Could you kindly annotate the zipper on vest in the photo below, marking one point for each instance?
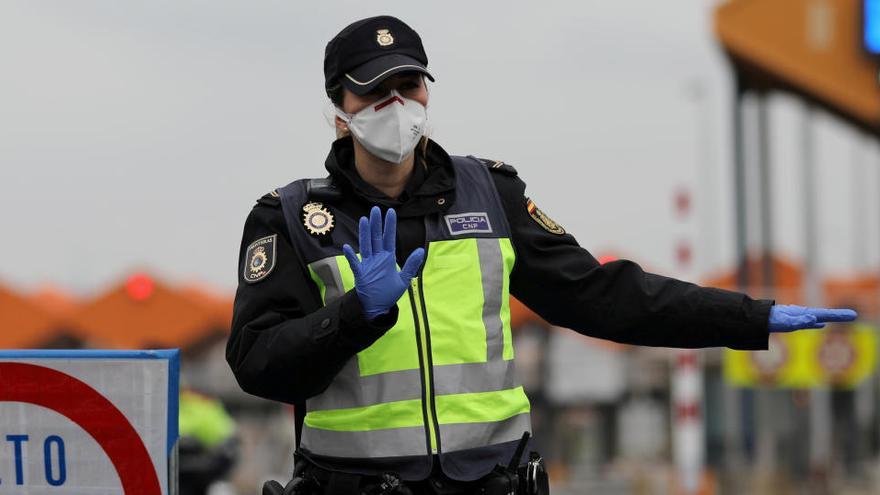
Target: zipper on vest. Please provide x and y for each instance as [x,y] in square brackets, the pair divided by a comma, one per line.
[423,342]
[430,354]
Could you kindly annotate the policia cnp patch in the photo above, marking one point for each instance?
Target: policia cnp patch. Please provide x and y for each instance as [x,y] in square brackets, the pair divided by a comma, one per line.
[542,219]
[259,259]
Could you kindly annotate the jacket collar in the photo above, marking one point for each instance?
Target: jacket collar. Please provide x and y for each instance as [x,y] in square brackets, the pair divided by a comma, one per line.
[430,188]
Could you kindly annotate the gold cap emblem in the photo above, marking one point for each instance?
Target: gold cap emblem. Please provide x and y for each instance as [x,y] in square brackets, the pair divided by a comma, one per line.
[384,38]
[317,219]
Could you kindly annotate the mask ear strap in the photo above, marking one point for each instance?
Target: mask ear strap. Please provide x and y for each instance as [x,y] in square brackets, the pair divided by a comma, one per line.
[342,115]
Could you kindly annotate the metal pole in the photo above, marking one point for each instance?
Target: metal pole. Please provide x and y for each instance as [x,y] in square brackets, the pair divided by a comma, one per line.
[739,164]
[765,426]
[820,398]
[874,159]
[809,195]
[733,434]
[860,204]
[688,428]
[766,188]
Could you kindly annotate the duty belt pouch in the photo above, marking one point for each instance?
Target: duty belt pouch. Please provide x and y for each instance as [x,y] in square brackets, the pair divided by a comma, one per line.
[303,482]
[505,480]
[500,482]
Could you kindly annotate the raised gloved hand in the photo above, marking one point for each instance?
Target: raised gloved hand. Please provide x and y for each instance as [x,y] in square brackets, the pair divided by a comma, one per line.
[788,318]
[377,281]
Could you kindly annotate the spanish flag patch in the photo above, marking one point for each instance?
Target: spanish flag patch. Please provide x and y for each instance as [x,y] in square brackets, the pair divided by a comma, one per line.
[542,219]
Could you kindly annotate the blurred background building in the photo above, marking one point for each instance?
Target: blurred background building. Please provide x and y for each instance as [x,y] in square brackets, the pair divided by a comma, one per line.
[604,413]
[732,143]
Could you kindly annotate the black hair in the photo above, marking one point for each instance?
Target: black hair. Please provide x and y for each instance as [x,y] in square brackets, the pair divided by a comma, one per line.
[335,93]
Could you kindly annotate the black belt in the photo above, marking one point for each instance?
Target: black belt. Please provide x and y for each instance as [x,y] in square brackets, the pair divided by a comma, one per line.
[334,482]
[528,480]
[309,479]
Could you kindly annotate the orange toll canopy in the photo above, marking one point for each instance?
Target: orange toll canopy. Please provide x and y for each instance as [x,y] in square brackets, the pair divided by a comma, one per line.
[24,324]
[143,312]
[810,47]
[860,291]
[786,274]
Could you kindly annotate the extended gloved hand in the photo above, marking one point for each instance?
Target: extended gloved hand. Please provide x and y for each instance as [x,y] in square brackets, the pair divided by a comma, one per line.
[377,281]
[788,318]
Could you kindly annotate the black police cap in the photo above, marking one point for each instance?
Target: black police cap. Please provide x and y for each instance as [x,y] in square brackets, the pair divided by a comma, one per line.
[369,51]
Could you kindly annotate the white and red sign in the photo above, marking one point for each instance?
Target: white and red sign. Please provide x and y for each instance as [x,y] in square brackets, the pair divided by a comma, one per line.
[87,422]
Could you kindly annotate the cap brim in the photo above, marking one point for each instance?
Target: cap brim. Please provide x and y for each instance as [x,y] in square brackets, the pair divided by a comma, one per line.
[365,77]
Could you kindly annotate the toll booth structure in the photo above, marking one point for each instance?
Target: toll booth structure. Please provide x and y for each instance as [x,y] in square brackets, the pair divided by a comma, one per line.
[825,53]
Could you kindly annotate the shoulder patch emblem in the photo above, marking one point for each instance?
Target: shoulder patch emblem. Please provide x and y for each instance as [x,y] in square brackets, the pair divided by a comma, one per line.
[542,219]
[317,219]
[260,259]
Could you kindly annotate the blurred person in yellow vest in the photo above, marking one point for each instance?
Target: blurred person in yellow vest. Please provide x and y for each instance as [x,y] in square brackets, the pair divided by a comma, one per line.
[208,446]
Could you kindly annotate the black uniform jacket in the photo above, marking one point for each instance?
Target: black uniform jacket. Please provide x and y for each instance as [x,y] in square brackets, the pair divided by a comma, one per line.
[287,347]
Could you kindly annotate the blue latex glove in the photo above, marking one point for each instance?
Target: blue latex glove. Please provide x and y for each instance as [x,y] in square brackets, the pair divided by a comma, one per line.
[788,318]
[376,280]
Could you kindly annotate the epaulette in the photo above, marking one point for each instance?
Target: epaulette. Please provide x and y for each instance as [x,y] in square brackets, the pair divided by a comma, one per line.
[271,198]
[323,191]
[498,166]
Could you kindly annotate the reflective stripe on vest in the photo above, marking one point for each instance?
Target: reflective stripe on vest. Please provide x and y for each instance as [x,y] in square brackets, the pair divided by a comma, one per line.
[459,308]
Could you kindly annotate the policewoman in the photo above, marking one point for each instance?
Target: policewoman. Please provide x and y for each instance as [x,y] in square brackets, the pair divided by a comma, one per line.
[376,299]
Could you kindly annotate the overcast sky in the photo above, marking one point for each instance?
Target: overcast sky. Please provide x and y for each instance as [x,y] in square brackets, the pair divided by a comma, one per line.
[138,134]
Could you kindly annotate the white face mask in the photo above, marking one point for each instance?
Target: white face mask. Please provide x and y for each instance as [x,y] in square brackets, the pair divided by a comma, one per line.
[389,128]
